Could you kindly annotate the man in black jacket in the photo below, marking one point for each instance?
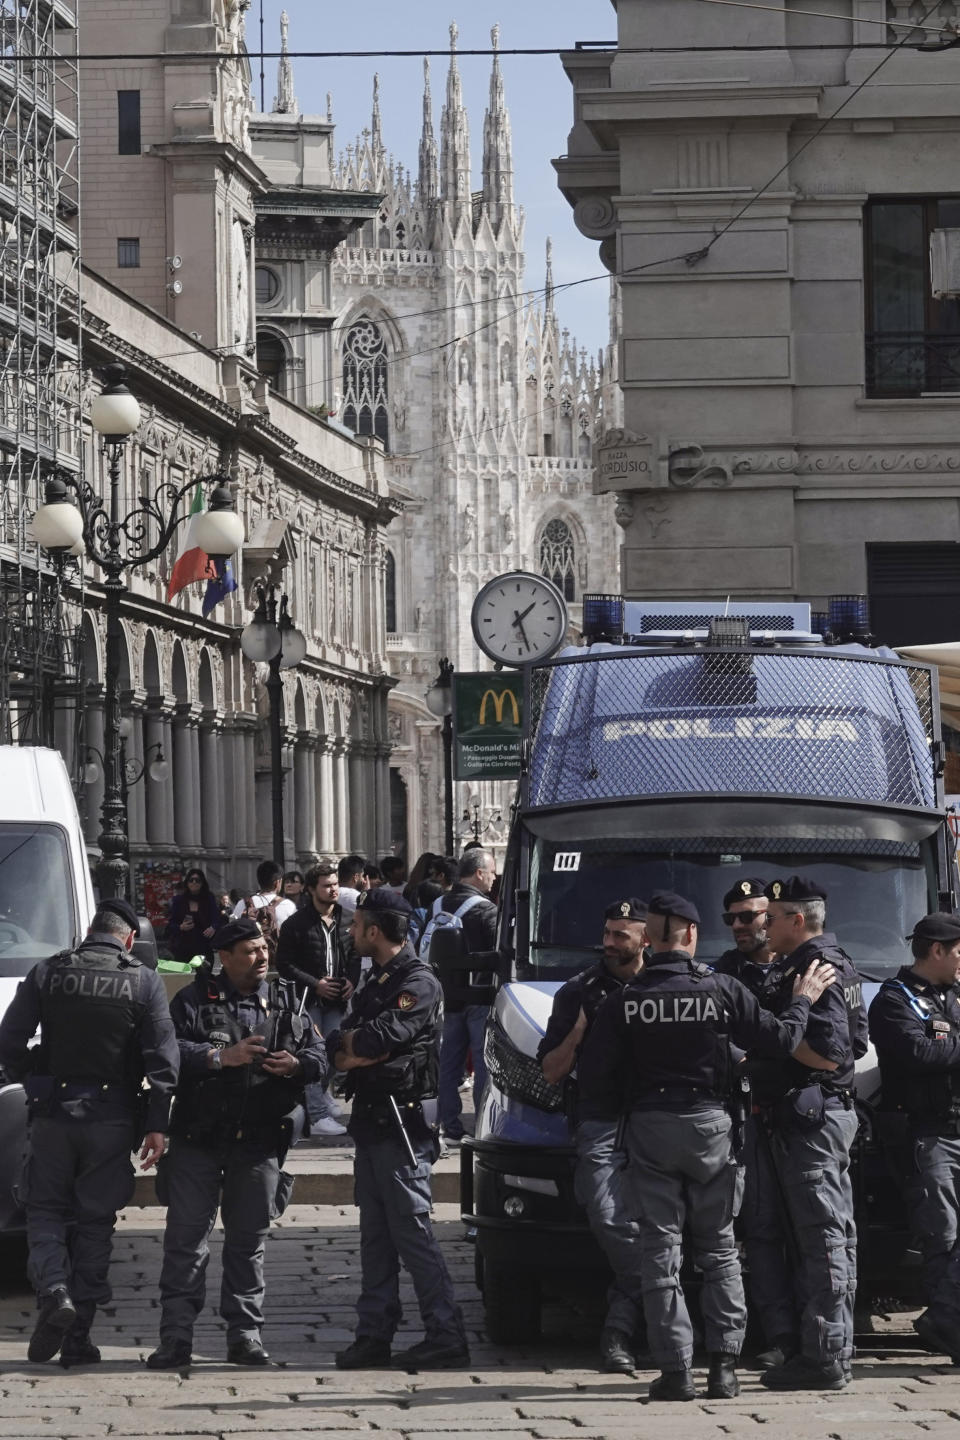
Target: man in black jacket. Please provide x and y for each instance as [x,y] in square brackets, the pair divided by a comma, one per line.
[315,952]
[464,1025]
[104,1026]
[245,1057]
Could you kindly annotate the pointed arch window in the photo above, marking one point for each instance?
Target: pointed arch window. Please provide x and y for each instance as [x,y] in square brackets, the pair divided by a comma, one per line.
[272,359]
[365,381]
[558,557]
[390,593]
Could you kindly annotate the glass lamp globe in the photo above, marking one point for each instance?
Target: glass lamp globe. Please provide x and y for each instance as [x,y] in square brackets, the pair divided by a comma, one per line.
[158,769]
[260,640]
[293,647]
[58,526]
[219,530]
[91,771]
[115,412]
[439,700]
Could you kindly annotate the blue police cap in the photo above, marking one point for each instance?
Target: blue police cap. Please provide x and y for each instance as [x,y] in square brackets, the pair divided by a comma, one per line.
[117,906]
[234,931]
[629,909]
[667,903]
[749,889]
[384,898]
[938,926]
[794,888]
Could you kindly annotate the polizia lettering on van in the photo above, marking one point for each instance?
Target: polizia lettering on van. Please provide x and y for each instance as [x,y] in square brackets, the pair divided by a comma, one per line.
[741,727]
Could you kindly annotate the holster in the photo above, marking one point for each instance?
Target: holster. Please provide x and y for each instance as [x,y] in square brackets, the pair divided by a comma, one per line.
[802,1108]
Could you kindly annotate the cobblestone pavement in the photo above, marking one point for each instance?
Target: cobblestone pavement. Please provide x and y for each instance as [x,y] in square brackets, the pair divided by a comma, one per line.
[548,1391]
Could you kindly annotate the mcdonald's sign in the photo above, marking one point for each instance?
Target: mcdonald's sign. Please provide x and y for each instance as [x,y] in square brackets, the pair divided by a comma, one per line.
[487,725]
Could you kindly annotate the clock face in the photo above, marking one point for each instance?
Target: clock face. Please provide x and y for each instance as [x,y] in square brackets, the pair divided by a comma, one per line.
[519,618]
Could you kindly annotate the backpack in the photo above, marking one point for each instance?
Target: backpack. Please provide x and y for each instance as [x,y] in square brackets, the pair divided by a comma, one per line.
[266,918]
[445,920]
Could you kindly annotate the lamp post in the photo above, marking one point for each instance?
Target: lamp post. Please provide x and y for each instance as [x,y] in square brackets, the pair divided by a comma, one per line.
[119,543]
[479,826]
[440,703]
[271,638]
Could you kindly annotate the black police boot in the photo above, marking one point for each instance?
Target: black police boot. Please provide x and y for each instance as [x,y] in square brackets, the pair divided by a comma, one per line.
[437,1354]
[57,1314]
[366,1353]
[803,1374]
[170,1355]
[783,1349]
[673,1385]
[722,1382]
[616,1352]
[78,1348]
[247,1351]
[938,1337]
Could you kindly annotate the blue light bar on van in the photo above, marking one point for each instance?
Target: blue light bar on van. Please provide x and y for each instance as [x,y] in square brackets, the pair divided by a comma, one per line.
[849,614]
[602,617]
[819,622]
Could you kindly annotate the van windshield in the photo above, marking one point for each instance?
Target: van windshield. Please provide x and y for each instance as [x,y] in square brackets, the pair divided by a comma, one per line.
[873,901]
[38,908]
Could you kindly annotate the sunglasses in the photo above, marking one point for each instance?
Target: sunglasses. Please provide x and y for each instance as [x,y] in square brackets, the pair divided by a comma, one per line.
[742,917]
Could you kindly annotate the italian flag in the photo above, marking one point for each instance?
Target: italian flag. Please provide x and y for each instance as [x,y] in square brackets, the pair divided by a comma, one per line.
[193,564]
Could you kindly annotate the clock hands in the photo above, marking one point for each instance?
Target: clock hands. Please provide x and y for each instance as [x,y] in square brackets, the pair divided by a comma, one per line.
[518,620]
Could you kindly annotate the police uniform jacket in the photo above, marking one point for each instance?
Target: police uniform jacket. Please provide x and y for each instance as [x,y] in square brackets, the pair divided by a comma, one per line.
[104,1027]
[915,1027]
[240,1102]
[665,1038]
[742,968]
[396,1013]
[837,1028]
[308,951]
[586,991]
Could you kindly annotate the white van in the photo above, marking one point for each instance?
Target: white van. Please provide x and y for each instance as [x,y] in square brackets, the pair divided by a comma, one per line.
[46,904]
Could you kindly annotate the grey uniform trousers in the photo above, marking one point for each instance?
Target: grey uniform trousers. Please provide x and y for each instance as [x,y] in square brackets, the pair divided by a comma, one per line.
[771,1279]
[683,1172]
[78,1173]
[599,1185]
[394,1200]
[934,1216]
[242,1180]
[814,1170]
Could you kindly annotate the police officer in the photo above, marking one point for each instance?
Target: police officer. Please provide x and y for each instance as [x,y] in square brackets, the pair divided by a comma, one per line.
[596,1120]
[245,1058]
[665,1037]
[104,1025]
[915,1026]
[388,1048]
[806,1103]
[745,912]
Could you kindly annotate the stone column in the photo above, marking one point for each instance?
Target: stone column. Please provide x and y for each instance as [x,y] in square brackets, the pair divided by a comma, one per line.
[211,783]
[93,741]
[382,807]
[357,827]
[326,830]
[186,779]
[305,785]
[341,816]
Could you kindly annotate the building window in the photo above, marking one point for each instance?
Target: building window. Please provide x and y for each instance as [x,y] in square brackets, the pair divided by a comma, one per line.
[128,252]
[365,381]
[558,558]
[390,595]
[272,360]
[914,592]
[268,285]
[128,122]
[913,340]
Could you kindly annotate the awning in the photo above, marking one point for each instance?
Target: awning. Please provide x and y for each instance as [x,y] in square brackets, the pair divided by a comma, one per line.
[947,660]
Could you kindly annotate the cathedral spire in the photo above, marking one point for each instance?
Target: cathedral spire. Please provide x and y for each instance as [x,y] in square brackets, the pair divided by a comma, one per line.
[455,137]
[376,124]
[497,145]
[549,313]
[429,178]
[285,102]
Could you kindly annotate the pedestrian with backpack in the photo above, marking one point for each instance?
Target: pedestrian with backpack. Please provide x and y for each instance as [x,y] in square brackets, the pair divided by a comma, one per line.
[466,907]
[268,906]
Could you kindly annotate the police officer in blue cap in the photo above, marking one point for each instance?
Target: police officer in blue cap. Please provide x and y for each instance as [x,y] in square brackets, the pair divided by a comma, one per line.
[915,1026]
[246,1055]
[596,1120]
[665,1039]
[104,1027]
[388,1049]
[806,1103]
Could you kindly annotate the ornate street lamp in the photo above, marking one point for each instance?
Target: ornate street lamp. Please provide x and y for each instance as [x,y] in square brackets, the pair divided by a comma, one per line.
[440,703]
[272,639]
[119,543]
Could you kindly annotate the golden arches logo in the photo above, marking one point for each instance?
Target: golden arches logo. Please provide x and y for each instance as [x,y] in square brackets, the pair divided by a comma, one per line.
[499,702]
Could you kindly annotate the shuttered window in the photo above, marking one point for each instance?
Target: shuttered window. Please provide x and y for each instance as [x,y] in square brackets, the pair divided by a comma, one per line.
[914,593]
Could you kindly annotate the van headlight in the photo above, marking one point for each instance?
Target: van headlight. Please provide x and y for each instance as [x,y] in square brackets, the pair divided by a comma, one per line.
[516,1074]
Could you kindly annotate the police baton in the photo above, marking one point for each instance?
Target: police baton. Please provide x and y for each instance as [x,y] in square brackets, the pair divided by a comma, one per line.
[395,1111]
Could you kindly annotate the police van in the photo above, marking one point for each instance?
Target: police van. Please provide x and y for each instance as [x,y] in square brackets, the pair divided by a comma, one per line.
[682,747]
[46,904]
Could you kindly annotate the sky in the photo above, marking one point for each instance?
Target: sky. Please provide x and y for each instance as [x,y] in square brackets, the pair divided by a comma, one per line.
[539,98]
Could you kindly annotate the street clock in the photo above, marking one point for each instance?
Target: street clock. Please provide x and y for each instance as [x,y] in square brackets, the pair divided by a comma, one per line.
[519,619]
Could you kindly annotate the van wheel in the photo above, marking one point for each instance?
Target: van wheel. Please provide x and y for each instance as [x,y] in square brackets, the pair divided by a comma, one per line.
[511,1303]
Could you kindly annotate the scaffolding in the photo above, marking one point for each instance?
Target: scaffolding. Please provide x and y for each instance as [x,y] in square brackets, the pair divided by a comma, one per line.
[40,364]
